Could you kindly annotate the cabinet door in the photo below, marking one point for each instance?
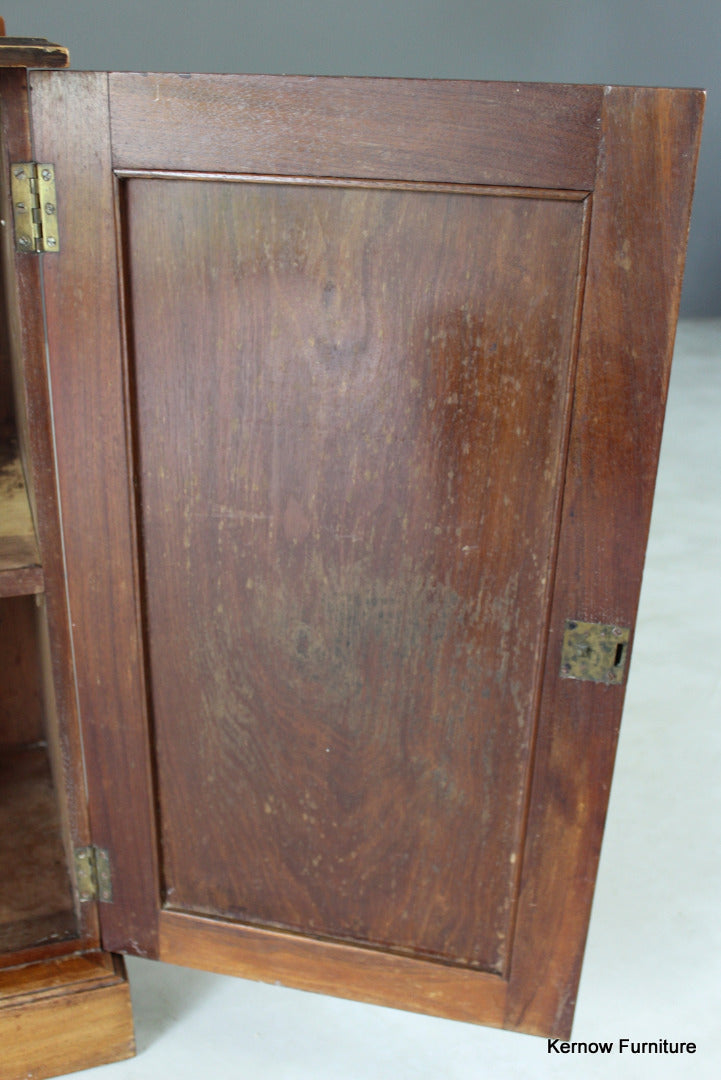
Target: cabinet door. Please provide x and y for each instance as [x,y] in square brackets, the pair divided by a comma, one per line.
[358,390]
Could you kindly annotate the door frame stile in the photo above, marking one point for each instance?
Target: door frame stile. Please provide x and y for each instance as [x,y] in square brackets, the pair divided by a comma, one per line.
[86,358]
[639,228]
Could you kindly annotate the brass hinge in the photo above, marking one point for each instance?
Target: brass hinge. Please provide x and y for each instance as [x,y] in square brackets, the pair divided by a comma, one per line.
[35,207]
[595,652]
[92,874]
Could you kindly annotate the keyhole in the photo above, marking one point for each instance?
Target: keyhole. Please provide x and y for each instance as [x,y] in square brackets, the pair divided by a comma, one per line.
[618,658]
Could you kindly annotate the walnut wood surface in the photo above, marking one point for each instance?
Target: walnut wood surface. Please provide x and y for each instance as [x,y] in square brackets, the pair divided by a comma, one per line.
[157,427]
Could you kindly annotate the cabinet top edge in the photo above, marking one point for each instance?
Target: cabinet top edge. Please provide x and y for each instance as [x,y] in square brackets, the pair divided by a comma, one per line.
[508,85]
[32,53]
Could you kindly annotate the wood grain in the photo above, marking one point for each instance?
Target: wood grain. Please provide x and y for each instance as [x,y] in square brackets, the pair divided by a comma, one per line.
[21,711]
[637,248]
[27,980]
[32,53]
[21,581]
[522,134]
[71,127]
[19,555]
[332,968]
[6,386]
[339,413]
[26,334]
[62,1016]
[36,901]
[286,345]
[23,328]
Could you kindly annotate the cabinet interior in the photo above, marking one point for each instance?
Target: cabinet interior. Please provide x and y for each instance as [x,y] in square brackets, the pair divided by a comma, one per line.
[36,898]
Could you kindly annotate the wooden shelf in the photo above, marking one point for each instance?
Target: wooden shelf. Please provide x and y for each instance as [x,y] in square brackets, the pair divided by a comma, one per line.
[20,570]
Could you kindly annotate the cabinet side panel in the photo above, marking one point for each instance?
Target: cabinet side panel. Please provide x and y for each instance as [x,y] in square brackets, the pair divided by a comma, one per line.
[70,122]
[637,246]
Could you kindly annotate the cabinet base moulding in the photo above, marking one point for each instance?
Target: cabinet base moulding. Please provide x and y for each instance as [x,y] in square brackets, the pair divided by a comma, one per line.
[61,1016]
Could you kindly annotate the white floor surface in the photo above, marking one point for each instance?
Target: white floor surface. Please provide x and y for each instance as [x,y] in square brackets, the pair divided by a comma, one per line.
[653,960]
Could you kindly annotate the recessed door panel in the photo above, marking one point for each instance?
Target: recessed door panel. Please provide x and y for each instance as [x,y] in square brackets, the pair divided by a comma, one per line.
[349,407]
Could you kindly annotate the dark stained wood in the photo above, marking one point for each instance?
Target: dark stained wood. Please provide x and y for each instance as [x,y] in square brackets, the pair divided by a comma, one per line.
[21,581]
[70,122]
[340,411]
[63,1015]
[522,134]
[429,186]
[56,1015]
[637,250]
[36,901]
[21,713]
[32,420]
[269,438]
[332,968]
[32,53]
[22,330]
[6,385]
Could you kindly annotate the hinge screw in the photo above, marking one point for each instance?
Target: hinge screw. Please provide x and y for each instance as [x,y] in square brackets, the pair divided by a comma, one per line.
[46,174]
[25,242]
[49,208]
[20,174]
[51,241]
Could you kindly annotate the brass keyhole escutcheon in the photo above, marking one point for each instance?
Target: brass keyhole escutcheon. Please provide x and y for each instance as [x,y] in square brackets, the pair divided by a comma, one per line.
[594,652]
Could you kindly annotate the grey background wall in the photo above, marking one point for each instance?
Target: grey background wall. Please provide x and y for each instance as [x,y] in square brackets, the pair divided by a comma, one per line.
[647,42]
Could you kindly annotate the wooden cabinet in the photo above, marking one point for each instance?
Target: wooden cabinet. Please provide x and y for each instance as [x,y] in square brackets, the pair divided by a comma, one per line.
[339,404]
[64,1001]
